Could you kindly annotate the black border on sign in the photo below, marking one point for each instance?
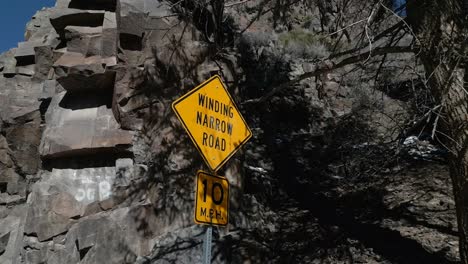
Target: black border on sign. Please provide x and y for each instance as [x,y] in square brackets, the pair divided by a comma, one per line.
[190,134]
[196,199]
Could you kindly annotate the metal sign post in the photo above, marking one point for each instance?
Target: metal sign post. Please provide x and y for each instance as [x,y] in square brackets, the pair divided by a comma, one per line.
[207,245]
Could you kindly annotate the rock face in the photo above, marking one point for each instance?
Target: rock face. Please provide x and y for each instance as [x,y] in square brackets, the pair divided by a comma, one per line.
[95,167]
[75,128]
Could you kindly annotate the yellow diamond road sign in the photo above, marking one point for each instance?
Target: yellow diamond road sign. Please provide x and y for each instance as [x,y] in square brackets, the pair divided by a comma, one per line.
[213,121]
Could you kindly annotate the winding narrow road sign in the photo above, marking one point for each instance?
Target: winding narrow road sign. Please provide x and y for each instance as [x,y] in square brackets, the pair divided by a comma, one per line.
[213,121]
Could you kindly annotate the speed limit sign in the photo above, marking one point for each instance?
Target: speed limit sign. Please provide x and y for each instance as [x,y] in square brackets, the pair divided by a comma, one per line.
[211,199]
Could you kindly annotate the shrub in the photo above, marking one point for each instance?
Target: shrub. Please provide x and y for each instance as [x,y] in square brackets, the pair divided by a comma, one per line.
[301,43]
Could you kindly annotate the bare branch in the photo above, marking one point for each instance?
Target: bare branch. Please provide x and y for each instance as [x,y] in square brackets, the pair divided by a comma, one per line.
[402,20]
[237,3]
[348,26]
[317,72]
[384,33]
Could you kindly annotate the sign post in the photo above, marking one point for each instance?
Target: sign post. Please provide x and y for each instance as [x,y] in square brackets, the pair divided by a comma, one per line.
[207,245]
[217,128]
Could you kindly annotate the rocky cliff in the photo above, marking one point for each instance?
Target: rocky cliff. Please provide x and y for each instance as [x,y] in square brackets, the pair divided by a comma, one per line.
[96,168]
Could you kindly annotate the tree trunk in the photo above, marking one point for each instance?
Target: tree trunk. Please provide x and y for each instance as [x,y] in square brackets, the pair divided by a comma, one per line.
[218,12]
[441,31]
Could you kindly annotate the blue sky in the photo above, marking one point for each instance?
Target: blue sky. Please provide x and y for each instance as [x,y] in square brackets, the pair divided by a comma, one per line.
[14,14]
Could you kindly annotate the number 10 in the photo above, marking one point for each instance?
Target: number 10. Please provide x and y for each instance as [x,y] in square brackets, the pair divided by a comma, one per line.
[214,186]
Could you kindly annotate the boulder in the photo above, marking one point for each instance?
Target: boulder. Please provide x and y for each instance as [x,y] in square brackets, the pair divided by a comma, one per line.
[40,29]
[66,205]
[98,239]
[128,82]
[9,66]
[24,139]
[48,90]
[61,4]
[426,200]
[131,17]
[433,241]
[80,139]
[76,129]
[25,71]
[11,235]
[78,188]
[84,40]
[190,238]
[44,222]
[4,242]
[135,15]
[77,73]
[5,159]
[60,18]
[25,52]
[109,35]
[19,96]
[11,200]
[44,60]
[10,181]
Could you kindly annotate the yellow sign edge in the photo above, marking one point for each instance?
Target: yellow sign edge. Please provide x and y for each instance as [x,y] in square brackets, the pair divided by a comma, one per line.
[196,193]
[190,134]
